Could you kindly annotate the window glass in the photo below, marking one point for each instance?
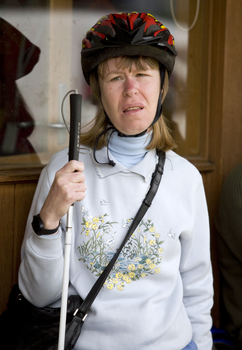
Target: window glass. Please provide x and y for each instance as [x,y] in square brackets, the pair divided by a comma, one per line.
[40,44]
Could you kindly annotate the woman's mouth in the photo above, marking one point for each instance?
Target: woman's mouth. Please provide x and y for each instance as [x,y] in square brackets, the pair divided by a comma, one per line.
[132,109]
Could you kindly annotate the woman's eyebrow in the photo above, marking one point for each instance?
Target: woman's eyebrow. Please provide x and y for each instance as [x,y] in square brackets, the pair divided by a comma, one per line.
[114,72]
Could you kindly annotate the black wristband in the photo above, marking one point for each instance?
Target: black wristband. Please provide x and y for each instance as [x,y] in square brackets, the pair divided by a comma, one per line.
[39,228]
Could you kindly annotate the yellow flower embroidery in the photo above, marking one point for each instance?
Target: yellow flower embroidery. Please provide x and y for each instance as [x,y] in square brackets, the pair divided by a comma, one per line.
[96,220]
[148,261]
[88,224]
[131,267]
[151,242]
[126,278]
[131,274]
[114,280]
[140,266]
[157,235]
[157,270]
[161,250]
[152,229]
[119,275]
[152,266]
[110,286]
[120,288]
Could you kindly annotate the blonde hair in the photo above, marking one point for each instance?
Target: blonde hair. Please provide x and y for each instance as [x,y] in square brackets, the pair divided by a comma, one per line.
[162,138]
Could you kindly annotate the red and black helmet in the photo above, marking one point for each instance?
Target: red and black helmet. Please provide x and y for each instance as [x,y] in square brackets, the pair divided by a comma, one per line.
[124,34]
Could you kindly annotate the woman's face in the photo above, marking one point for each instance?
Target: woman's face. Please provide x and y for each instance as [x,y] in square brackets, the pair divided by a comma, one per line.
[129,96]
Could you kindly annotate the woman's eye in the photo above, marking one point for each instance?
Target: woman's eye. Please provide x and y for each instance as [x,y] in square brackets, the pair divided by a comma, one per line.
[141,75]
[116,78]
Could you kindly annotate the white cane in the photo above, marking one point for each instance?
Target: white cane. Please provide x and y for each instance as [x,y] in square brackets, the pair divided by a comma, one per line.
[74,143]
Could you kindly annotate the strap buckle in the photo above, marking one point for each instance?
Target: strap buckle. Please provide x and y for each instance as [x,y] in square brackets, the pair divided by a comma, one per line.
[83,318]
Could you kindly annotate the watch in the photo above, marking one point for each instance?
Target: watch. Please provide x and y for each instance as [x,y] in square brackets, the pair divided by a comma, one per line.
[38,227]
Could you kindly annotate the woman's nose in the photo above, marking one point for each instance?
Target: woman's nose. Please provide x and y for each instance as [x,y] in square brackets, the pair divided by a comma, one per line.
[130,87]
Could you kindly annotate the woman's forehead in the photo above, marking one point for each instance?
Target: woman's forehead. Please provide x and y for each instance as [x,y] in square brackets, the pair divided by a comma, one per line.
[126,62]
[113,63]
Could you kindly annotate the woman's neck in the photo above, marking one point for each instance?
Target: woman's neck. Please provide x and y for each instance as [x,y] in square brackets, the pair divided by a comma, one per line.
[129,150]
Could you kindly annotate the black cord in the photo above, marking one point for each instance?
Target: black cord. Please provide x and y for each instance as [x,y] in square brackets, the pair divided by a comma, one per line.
[110,162]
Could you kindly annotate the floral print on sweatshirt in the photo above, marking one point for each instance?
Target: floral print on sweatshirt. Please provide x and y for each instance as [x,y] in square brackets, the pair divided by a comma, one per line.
[140,257]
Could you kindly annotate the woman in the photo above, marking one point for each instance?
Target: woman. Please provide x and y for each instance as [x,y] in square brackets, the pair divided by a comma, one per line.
[159,295]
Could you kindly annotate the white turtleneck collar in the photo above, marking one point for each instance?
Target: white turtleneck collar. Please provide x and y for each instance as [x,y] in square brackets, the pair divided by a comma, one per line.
[129,151]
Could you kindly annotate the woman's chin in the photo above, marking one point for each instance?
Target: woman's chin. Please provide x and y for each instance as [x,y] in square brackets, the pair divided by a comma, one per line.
[133,130]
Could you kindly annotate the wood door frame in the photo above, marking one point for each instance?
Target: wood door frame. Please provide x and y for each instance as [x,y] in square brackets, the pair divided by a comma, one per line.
[225,121]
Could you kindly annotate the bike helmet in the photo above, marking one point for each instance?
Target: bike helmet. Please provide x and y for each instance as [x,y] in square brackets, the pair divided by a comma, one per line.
[127,34]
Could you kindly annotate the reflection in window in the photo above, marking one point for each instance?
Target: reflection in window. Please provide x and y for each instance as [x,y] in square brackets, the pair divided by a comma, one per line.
[18,57]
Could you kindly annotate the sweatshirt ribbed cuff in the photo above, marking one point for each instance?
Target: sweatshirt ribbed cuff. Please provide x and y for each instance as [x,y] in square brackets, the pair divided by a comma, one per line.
[46,246]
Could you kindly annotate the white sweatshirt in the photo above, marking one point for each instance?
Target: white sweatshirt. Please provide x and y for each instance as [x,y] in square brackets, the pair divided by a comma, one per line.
[159,294]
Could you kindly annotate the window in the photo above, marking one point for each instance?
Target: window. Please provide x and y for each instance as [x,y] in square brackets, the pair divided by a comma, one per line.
[40,63]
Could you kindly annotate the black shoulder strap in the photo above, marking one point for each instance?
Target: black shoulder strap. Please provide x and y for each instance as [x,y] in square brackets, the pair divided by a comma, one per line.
[81,313]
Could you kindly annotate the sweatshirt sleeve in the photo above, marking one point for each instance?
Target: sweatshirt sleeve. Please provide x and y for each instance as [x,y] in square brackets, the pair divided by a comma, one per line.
[196,271]
[41,268]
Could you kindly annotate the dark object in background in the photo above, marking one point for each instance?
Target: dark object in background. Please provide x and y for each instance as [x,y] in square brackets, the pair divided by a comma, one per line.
[221,340]
[18,56]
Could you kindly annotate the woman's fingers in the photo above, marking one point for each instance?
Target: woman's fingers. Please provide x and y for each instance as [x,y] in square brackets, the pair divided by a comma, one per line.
[72,166]
[68,187]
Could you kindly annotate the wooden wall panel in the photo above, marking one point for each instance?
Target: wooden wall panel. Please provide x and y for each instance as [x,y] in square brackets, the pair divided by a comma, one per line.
[23,199]
[232,101]
[225,119]
[15,203]
[230,121]
[212,179]
[6,241]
